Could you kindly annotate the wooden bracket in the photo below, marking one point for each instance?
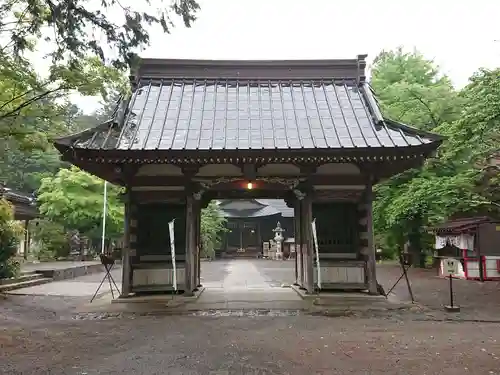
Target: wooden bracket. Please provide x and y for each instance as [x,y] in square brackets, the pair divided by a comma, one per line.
[307,169]
[190,171]
[249,171]
[125,172]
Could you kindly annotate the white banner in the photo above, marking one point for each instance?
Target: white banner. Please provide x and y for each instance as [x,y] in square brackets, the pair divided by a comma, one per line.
[172,251]
[315,237]
[463,241]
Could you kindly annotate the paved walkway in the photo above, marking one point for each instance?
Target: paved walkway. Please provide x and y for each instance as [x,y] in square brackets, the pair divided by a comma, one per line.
[245,285]
[83,286]
[237,275]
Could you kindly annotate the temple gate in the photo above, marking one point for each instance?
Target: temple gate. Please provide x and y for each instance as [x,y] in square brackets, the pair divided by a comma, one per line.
[308,132]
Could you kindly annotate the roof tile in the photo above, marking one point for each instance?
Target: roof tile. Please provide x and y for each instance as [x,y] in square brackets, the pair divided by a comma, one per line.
[180,114]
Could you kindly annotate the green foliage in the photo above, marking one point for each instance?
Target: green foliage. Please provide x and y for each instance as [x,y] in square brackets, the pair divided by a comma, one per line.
[9,240]
[34,109]
[76,29]
[410,89]
[51,238]
[74,199]
[212,226]
[475,137]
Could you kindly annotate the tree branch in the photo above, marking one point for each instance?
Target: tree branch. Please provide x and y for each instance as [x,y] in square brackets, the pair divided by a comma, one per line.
[426,105]
[31,101]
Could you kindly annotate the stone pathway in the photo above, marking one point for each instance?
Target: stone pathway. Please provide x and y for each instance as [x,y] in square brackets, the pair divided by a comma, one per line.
[83,286]
[244,286]
[239,274]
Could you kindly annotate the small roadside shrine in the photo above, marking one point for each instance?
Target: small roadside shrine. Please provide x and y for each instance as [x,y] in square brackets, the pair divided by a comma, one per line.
[474,241]
[24,210]
[306,131]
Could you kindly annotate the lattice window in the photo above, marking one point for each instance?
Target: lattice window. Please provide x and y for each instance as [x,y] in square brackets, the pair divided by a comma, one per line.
[232,225]
[249,225]
[336,226]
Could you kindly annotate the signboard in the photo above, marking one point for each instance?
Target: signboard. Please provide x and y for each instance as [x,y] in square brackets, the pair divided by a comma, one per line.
[450,266]
[315,237]
[172,251]
[265,249]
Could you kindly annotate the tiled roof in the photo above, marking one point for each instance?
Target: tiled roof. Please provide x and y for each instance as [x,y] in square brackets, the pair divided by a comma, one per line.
[16,197]
[278,204]
[264,211]
[462,225]
[269,207]
[238,114]
[24,204]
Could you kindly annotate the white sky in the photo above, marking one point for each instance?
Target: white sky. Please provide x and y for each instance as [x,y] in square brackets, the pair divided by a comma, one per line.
[459,35]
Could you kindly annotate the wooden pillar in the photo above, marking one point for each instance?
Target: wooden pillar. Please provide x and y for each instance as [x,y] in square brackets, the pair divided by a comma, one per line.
[307,243]
[26,239]
[297,238]
[190,245]
[126,266]
[371,262]
[198,245]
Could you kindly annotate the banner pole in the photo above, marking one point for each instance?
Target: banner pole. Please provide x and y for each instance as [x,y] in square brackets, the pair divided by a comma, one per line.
[104,213]
[172,252]
[315,237]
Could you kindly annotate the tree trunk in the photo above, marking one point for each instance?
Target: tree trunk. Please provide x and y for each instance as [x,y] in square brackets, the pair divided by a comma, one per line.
[415,243]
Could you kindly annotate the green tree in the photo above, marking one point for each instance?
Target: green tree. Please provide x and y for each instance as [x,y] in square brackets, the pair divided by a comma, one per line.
[75,29]
[35,110]
[447,185]
[52,239]
[473,145]
[410,90]
[9,240]
[74,199]
[32,109]
[212,226]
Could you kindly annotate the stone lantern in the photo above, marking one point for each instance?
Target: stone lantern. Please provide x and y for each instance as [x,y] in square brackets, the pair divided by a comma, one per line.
[278,237]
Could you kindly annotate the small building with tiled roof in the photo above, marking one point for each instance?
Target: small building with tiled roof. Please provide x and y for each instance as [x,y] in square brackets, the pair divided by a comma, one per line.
[25,209]
[250,223]
[475,241]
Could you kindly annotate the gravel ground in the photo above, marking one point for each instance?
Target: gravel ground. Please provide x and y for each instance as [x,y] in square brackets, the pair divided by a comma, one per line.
[252,345]
[478,301]
[38,336]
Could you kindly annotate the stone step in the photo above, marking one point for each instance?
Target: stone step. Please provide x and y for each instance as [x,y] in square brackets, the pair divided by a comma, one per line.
[25,276]
[19,283]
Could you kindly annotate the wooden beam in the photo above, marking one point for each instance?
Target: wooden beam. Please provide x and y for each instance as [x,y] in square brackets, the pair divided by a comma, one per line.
[159,196]
[210,156]
[183,181]
[249,171]
[246,194]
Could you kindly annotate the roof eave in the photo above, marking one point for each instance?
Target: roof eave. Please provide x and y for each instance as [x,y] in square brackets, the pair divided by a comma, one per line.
[72,153]
[434,137]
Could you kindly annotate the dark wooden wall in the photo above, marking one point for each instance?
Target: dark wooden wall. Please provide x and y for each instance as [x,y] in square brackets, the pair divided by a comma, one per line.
[153,236]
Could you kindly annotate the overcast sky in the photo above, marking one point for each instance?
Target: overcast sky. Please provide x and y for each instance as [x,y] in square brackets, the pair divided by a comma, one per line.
[460,35]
